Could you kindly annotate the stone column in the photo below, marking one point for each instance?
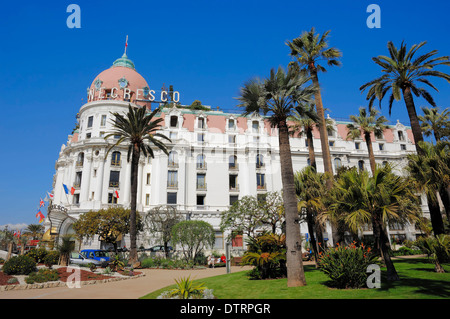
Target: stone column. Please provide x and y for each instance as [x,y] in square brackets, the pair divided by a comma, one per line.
[99,184]
[127,184]
[86,179]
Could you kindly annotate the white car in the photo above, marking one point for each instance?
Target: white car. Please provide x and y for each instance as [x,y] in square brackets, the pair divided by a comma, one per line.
[80,259]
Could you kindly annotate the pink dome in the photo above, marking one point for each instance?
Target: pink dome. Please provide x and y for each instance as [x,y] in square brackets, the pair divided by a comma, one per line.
[119,82]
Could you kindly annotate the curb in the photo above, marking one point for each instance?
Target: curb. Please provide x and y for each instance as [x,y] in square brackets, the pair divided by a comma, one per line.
[53,284]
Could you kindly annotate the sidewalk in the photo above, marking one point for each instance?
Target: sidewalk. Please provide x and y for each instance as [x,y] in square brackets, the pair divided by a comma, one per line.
[154,279]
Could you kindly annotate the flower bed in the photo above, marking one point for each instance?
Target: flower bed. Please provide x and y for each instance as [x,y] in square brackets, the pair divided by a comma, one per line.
[5,279]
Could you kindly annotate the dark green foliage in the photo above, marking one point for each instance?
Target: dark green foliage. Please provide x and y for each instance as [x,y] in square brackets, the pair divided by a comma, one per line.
[19,265]
[43,275]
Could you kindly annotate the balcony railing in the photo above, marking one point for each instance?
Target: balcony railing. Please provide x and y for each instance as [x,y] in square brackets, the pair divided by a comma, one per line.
[113,184]
[201,186]
[116,163]
[233,166]
[201,165]
[172,184]
[172,164]
[79,164]
[234,188]
[261,187]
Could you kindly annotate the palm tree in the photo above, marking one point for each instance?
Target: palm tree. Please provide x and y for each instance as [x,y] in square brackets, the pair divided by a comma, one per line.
[35,231]
[435,123]
[430,172]
[137,129]
[365,124]
[305,119]
[310,188]
[380,198]
[276,97]
[308,49]
[401,74]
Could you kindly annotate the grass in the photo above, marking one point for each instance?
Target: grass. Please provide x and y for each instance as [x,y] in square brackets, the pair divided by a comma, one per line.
[417,281]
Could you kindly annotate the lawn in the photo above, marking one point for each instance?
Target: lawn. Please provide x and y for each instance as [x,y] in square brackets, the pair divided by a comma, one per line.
[417,281]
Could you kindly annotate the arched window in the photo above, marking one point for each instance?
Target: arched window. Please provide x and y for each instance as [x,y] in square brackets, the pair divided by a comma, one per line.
[259,161]
[174,121]
[337,163]
[80,159]
[115,159]
[232,161]
[201,161]
[173,159]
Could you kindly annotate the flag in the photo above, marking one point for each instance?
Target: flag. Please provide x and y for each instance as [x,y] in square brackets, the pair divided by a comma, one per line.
[40,216]
[41,203]
[50,195]
[72,190]
[116,194]
[66,189]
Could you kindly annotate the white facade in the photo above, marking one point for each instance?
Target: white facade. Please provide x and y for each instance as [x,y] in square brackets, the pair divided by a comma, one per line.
[199,176]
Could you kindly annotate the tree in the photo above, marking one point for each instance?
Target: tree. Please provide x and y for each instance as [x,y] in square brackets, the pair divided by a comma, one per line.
[35,231]
[276,98]
[193,236]
[272,209]
[308,49]
[137,129]
[310,188]
[401,76]
[108,224]
[433,122]
[362,199]
[160,221]
[366,123]
[243,217]
[430,172]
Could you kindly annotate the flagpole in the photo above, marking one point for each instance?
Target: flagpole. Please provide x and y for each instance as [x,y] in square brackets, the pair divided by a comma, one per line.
[126,45]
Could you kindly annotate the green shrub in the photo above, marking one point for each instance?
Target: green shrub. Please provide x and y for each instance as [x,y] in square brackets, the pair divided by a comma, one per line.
[159,262]
[267,252]
[346,266]
[51,258]
[187,289]
[43,275]
[406,251]
[37,254]
[19,265]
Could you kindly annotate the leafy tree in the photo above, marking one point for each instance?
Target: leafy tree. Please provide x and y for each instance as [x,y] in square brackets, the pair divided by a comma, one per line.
[108,224]
[366,123]
[193,236]
[272,208]
[433,122]
[430,172]
[362,199]
[276,97]
[160,221]
[437,248]
[309,49]
[138,129]
[310,188]
[35,231]
[401,75]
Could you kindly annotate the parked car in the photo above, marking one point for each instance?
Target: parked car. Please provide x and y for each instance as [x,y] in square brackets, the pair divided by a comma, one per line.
[80,259]
[160,248]
[97,254]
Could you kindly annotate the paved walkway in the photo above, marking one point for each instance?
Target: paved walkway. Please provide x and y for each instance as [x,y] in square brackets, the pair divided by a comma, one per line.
[154,279]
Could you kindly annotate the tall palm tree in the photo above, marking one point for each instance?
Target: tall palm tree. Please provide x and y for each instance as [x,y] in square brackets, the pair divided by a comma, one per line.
[305,118]
[363,125]
[138,129]
[433,122]
[401,76]
[308,50]
[276,97]
[430,172]
[378,199]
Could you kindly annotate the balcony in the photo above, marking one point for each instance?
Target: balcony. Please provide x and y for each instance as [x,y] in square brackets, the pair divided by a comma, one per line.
[172,184]
[234,188]
[201,165]
[172,164]
[79,164]
[233,166]
[116,163]
[201,186]
[261,187]
[114,184]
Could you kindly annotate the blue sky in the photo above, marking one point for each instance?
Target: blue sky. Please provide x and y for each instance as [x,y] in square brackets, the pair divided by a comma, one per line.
[205,49]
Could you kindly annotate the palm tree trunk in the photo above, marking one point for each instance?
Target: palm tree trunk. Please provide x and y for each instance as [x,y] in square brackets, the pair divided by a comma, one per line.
[322,128]
[312,155]
[445,200]
[415,125]
[294,263]
[383,244]
[435,215]
[310,221]
[134,185]
[370,150]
